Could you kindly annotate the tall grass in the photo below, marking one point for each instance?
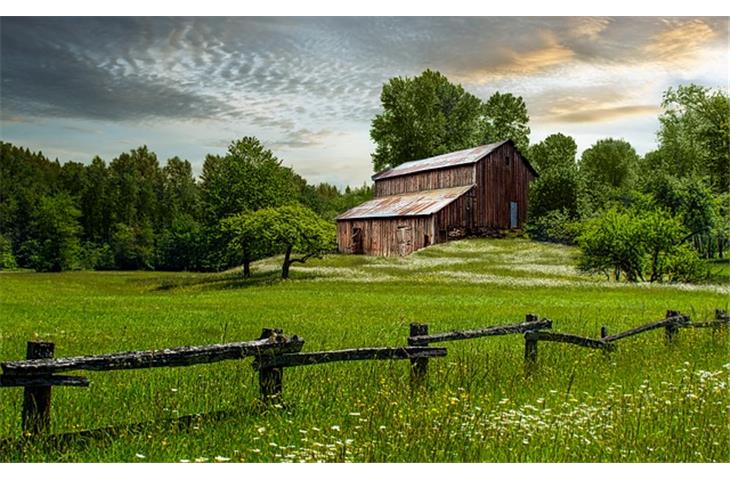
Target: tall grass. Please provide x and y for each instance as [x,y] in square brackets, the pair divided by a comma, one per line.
[645,402]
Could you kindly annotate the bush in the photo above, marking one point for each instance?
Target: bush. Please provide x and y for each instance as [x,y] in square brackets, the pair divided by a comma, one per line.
[133,247]
[179,247]
[96,257]
[7,259]
[556,226]
[641,246]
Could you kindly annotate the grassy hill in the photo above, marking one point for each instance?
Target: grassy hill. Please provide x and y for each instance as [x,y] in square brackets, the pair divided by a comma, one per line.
[578,405]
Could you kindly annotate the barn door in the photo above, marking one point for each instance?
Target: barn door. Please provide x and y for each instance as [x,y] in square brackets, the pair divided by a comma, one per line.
[513,214]
[357,241]
[405,240]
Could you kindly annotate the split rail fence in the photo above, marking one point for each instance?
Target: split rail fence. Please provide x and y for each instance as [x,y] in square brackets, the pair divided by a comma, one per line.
[273,352]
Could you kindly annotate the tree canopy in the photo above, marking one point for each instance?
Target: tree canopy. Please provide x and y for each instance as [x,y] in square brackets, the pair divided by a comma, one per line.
[427,115]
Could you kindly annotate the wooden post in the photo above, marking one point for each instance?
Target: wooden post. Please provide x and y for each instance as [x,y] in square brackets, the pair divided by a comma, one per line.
[530,351]
[671,330]
[270,378]
[531,317]
[419,366]
[36,417]
[604,334]
[721,320]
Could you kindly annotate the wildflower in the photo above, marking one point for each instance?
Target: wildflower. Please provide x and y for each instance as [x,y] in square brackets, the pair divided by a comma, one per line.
[336,428]
[184,460]
[261,429]
[201,459]
[218,458]
[139,455]
[354,414]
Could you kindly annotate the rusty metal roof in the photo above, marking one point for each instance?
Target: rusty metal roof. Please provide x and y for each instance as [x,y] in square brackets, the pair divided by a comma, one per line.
[462,157]
[426,202]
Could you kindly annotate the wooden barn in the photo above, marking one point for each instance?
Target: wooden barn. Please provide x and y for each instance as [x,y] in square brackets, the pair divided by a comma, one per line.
[470,192]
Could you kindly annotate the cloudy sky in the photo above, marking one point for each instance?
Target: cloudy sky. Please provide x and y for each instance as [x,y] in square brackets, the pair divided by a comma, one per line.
[309,87]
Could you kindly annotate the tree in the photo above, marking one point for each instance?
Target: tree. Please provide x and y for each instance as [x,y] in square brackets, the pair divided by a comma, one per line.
[249,177]
[608,169]
[54,243]
[133,247]
[557,187]
[506,117]
[7,259]
[290,229]
[648,245]
[180,193]
[180,246]
[240,231]
[693,137]
[556,151]
[424,116]
[96,204]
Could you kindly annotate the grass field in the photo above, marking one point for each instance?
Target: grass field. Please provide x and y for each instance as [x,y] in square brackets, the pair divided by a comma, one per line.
[646,402]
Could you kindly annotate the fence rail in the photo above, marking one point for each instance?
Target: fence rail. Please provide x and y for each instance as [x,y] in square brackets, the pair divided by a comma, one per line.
[273,352]
[172,357]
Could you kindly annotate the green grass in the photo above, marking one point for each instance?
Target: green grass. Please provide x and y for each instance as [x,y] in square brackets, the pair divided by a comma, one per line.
[646,402]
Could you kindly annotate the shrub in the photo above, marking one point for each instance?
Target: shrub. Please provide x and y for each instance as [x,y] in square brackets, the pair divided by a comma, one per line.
[556,226]
[641,246]
[7,259]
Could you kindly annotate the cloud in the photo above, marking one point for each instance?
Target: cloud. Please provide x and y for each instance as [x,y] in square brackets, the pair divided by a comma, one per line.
[680,43]
[603,114]
[301,138]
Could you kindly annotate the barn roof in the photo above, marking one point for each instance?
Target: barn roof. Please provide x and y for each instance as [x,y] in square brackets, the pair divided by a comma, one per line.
[426,202]
[462,157]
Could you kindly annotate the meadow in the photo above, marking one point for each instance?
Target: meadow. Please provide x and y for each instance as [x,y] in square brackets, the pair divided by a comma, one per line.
[646,402]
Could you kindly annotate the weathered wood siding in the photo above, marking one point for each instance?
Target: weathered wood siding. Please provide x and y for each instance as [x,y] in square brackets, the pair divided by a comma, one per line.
[501,177]
[381,236]
[429,180]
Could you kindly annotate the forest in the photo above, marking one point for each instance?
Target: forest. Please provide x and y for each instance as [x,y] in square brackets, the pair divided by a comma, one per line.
[637,218]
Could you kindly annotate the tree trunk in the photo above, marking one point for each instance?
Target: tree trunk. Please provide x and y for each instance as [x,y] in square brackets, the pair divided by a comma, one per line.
[287,263]
[246,263]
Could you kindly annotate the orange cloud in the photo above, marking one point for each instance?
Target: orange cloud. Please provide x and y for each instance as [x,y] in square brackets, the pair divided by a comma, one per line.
[680,43]
[550,54]
[592,115]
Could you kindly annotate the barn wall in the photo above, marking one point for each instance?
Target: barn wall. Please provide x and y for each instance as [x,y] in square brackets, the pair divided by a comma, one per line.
[381,236]
[498,184]
[429,180]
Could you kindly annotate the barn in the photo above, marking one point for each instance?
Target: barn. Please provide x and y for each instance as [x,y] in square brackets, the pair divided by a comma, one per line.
[416,204]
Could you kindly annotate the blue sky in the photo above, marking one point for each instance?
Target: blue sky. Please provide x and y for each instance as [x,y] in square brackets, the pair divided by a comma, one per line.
[309,87]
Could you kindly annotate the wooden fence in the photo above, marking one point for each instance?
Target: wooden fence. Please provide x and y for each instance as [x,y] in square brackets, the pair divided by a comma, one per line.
[273,352]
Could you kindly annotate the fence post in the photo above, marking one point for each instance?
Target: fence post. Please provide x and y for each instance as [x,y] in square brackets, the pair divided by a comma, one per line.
[722,320]
[604,334]
[531,317]
[270,378]
[530,351]
[419,366]
[36,417]
[671,330]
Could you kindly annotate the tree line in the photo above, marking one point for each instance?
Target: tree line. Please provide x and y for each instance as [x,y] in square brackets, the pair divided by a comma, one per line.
[134,213]
[650,217]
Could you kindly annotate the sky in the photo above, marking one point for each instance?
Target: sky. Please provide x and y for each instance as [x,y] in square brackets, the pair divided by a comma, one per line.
[308,87]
